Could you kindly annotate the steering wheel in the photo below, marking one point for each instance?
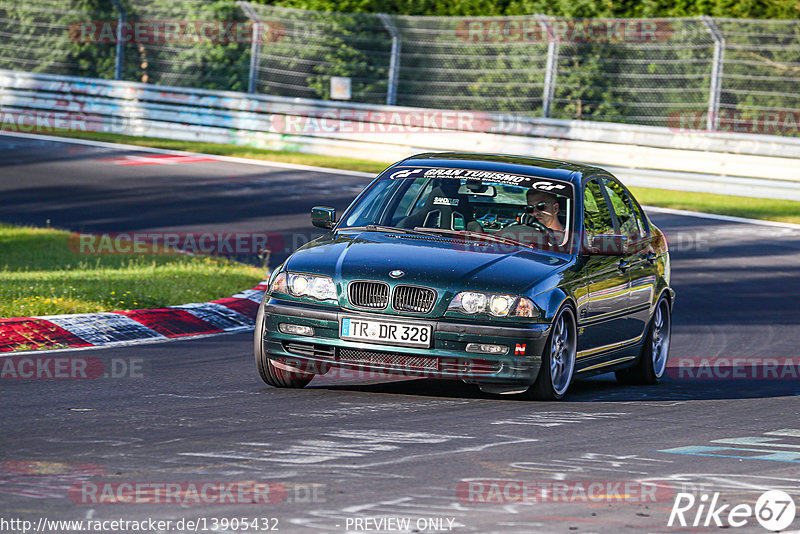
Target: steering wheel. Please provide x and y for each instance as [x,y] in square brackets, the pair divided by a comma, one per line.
[530,222]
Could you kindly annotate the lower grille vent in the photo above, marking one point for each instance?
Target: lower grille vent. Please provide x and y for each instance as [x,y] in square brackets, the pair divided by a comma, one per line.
[387,359]
[308,349]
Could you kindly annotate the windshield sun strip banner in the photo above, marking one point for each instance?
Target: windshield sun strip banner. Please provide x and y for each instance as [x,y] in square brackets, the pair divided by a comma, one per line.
[520,180]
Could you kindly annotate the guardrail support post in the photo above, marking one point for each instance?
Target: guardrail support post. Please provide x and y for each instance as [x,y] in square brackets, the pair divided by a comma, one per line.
[394,61]
[551,66]
[716,73]
[120,51]
[255,46]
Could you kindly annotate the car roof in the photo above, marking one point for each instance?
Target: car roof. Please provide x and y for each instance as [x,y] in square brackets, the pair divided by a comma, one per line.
[546,168]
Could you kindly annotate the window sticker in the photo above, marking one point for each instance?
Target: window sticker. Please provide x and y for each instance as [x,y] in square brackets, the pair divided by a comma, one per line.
[532,182]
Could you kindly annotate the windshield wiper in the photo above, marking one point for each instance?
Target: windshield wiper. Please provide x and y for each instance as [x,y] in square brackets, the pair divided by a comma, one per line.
[394,229]
[488,237]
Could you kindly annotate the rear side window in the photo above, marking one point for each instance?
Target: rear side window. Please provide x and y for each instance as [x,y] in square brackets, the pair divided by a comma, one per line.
[596,215]
[630,220]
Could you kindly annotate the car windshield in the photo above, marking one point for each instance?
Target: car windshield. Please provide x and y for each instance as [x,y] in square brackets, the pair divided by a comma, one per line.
[493,206]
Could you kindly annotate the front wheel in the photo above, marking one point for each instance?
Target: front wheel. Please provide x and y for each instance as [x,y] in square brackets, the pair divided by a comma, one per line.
[272,373]
[558,359]
[655,349]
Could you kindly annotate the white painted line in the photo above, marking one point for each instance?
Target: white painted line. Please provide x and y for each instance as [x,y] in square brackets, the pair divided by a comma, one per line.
[791,432]
[728,218]
[230,159]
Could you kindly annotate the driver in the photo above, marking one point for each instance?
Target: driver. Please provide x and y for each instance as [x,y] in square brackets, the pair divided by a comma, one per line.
[542,208]
[541,215]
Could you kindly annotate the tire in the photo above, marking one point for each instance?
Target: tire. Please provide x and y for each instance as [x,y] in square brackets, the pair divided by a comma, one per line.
[655,350]
[270,374]
[558,359]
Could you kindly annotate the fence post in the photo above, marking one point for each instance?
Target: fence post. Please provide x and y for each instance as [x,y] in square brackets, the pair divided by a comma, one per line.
[394,61]
[120,51]
[551,65]
[716,73]
[255,46]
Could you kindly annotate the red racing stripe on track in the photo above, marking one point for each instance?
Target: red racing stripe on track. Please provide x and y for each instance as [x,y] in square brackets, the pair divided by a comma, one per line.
[158,159]
[246,307]
[20,333]
[170,322]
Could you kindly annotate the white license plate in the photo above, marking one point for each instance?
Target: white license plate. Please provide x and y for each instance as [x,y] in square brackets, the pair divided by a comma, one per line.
[386,332]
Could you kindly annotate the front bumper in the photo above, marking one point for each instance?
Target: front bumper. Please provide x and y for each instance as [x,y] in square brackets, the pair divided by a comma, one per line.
[446,359]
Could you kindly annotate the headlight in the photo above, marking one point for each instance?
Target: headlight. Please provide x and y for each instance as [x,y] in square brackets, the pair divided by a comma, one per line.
[472,302]
[310,285]
[500,305]
[304,285]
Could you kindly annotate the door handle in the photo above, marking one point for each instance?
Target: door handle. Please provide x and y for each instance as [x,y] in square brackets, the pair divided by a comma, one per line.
[623,265]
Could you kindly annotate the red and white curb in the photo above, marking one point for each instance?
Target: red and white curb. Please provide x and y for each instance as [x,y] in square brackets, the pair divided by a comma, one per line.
[231,314]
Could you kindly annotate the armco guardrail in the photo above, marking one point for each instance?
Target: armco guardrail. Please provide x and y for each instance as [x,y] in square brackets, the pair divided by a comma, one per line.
[753,165]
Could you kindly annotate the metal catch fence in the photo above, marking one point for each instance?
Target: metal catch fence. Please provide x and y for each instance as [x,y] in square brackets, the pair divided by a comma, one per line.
[689,73]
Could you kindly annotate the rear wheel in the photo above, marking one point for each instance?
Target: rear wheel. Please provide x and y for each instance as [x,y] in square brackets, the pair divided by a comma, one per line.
[655,349]
[558,359]
[274,373]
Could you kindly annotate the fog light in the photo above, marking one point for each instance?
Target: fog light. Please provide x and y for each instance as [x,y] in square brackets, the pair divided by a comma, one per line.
[486,348]
[296,329]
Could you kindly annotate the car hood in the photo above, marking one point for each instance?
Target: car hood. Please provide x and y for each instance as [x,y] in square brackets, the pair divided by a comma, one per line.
[444,263]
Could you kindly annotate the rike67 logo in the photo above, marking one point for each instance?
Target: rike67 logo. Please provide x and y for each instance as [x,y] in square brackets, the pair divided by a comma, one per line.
[774,510]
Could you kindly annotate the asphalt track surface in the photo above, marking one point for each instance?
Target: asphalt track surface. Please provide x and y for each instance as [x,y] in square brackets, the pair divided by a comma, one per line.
[369,448]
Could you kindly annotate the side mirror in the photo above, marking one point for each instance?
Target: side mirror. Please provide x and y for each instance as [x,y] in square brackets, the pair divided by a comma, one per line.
[323,217]
[607,245]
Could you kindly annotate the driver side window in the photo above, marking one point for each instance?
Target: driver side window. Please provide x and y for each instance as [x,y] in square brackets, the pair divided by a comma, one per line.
[596,215]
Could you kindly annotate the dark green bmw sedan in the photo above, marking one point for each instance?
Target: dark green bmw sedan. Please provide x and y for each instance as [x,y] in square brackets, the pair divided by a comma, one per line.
[513,273]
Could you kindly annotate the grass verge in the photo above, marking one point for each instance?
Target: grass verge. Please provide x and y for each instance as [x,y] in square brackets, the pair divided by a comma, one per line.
[40,275]
[754,208]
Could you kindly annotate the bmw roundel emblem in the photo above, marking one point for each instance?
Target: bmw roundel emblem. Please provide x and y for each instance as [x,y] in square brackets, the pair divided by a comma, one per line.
[397,273]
